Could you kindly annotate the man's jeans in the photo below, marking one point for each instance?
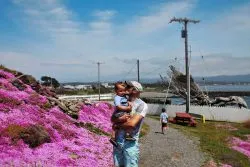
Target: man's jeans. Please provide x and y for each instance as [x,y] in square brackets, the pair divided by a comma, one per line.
[127,154]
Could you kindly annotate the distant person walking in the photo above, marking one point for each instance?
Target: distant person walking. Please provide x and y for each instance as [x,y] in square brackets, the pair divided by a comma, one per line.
[164,120]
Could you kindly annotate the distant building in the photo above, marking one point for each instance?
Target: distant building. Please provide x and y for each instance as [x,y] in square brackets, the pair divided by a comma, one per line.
[78,87]
[68,87]
[107,85]
[85,87]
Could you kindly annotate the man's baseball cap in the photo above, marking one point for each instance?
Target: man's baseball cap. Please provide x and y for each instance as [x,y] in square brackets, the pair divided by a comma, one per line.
[135,84]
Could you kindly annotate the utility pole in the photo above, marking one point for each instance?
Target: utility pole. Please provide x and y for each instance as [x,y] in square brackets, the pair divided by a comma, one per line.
[138,70]
[184,34]
[190,51]
[51,82]
[99,83]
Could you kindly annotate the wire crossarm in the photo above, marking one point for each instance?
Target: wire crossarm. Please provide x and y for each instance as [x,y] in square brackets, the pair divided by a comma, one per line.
[183,20]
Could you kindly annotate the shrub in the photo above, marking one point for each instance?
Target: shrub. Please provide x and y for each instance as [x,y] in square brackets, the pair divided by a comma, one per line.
[13,131]
[247,124]
[19,85]
[35,135]
[47,105]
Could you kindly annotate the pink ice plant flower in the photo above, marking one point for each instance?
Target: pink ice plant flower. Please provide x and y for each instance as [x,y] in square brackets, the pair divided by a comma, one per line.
[7,85]
[70,145]
[6,75]
[241,146]
[226,165]
[99,115]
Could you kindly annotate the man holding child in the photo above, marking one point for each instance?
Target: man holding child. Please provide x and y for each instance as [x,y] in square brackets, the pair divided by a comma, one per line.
[127,118]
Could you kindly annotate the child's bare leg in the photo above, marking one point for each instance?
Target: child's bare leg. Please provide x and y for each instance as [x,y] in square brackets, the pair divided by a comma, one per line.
[128,135]
[113,134]
[113,138]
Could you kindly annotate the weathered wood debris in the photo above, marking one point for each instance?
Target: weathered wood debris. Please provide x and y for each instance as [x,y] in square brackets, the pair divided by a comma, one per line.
[197,96]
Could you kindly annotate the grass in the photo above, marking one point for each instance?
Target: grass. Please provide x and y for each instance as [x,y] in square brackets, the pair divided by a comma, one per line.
[213,140]
[144,129]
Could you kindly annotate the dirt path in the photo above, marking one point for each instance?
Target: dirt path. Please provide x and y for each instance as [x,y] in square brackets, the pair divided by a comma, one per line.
[173,149]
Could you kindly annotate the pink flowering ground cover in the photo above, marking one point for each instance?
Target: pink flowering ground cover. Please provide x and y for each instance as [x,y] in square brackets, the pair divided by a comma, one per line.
[241,146]
[66,144]
[100,118]
[212,163]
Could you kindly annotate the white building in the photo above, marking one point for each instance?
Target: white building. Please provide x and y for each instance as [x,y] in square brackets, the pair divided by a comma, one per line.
[85,87]
[107,85]
[68,87]
[78,87]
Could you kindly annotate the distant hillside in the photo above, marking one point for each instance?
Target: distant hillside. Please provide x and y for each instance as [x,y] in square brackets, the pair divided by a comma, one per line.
[226,78]
[78,83]
[146,80]
[213,79]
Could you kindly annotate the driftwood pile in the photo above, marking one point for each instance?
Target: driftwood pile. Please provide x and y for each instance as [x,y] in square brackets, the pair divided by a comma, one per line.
[197,96]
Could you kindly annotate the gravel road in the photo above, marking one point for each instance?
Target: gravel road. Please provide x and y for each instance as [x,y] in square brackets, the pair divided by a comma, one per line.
[173,149]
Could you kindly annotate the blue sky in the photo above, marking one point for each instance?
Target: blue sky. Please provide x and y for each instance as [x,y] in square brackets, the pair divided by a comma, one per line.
[64,38]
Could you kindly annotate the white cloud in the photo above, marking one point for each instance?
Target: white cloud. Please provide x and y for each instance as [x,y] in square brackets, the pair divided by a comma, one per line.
[47,16]
[102,25]
[236,20]
[159,18]
[105,14]
[21,61]
[73,42]
[220,64]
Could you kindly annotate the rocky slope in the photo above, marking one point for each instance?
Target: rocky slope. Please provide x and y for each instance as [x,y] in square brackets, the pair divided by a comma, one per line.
[36,129]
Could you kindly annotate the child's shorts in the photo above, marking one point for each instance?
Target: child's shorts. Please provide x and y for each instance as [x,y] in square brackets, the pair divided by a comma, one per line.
[118,114]
[164,125]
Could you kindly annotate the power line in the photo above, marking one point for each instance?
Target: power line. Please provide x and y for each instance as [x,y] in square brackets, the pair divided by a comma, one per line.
[205,70]
[131,69]
[150,72]
[172,61]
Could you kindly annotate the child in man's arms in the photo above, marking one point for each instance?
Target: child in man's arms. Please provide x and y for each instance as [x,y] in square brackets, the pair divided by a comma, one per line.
[122,107]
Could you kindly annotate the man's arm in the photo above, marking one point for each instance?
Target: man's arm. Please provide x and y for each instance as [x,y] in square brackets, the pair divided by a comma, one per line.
[121,119]
[124,108]
[132,122]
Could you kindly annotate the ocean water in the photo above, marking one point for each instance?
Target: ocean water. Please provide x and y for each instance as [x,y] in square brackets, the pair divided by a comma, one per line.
[226,88]
[247,98]
[220,88]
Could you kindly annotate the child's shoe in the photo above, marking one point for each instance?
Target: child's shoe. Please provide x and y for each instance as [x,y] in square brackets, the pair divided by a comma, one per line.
[129,137]
[112,141]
